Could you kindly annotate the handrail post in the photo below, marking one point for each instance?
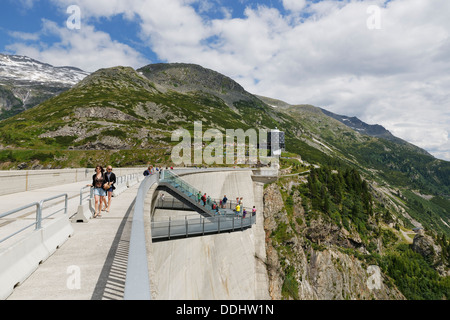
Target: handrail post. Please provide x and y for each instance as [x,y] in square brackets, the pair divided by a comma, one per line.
[6,214]
[66,204]
[39,216]
[81,196]
[170,221]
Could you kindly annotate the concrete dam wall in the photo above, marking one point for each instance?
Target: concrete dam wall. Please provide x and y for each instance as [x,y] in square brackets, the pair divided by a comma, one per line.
[226,266]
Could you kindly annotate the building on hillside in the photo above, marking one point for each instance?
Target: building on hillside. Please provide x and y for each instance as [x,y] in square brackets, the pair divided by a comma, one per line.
[276,142]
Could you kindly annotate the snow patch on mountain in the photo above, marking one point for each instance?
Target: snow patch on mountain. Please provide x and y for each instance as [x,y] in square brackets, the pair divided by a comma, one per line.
[21,68]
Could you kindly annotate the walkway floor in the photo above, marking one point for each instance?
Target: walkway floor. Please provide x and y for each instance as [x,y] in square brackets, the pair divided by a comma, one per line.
[91,265]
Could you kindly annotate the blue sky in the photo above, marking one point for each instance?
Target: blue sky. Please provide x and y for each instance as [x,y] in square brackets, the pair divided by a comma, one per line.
[386,62]
[26,16]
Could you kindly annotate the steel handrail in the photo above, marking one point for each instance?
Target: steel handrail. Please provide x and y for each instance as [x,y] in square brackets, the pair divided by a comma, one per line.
[137,283]
[173,175]
[90,196]
[187,227]
[66,203]
[39,207]
[229,205]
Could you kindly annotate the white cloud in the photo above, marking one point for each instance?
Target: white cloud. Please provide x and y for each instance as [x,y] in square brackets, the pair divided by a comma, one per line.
[294,5]
[86,48]
[24,36]
[27,4]
[397,75]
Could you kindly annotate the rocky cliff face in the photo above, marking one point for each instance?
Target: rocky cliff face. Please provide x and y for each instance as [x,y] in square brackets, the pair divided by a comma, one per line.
[427,247]
[310,261]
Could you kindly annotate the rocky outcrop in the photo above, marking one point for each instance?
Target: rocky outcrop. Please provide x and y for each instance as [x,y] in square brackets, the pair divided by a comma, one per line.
[424,245]
[189,78]
[309,262]
[103,113]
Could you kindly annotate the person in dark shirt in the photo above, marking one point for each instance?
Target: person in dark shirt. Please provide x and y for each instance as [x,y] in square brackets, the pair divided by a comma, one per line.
[224,201]
[98,181]
[110,178]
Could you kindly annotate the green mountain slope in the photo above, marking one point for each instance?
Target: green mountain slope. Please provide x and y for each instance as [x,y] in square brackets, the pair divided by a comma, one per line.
[397,166]
[124,109]
[120,109]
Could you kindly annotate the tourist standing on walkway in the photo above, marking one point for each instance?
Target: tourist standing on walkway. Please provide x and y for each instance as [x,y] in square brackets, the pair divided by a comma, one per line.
[149,171]
[254,211]
[224,201]
[98,181]
[110,178]
[204,199]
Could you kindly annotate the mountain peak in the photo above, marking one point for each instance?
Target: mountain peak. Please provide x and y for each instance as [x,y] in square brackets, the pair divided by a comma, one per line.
[22,68]
[25,83]
[111,76]
[187,78]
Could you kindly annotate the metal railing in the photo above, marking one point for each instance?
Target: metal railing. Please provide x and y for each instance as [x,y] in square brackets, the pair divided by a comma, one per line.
[137,283]
[227,209]
[38,211]
[199,226]
[195,195]
[89,196]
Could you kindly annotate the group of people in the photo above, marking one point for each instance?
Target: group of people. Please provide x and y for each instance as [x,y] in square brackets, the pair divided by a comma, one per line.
[103,183]
[239,208]
[204,199]
[152,170]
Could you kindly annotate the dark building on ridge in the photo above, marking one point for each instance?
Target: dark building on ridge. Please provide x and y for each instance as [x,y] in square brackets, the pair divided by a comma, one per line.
[276,142]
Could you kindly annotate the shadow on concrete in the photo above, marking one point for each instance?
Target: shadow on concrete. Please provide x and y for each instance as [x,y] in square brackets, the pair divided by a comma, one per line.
[111,283]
